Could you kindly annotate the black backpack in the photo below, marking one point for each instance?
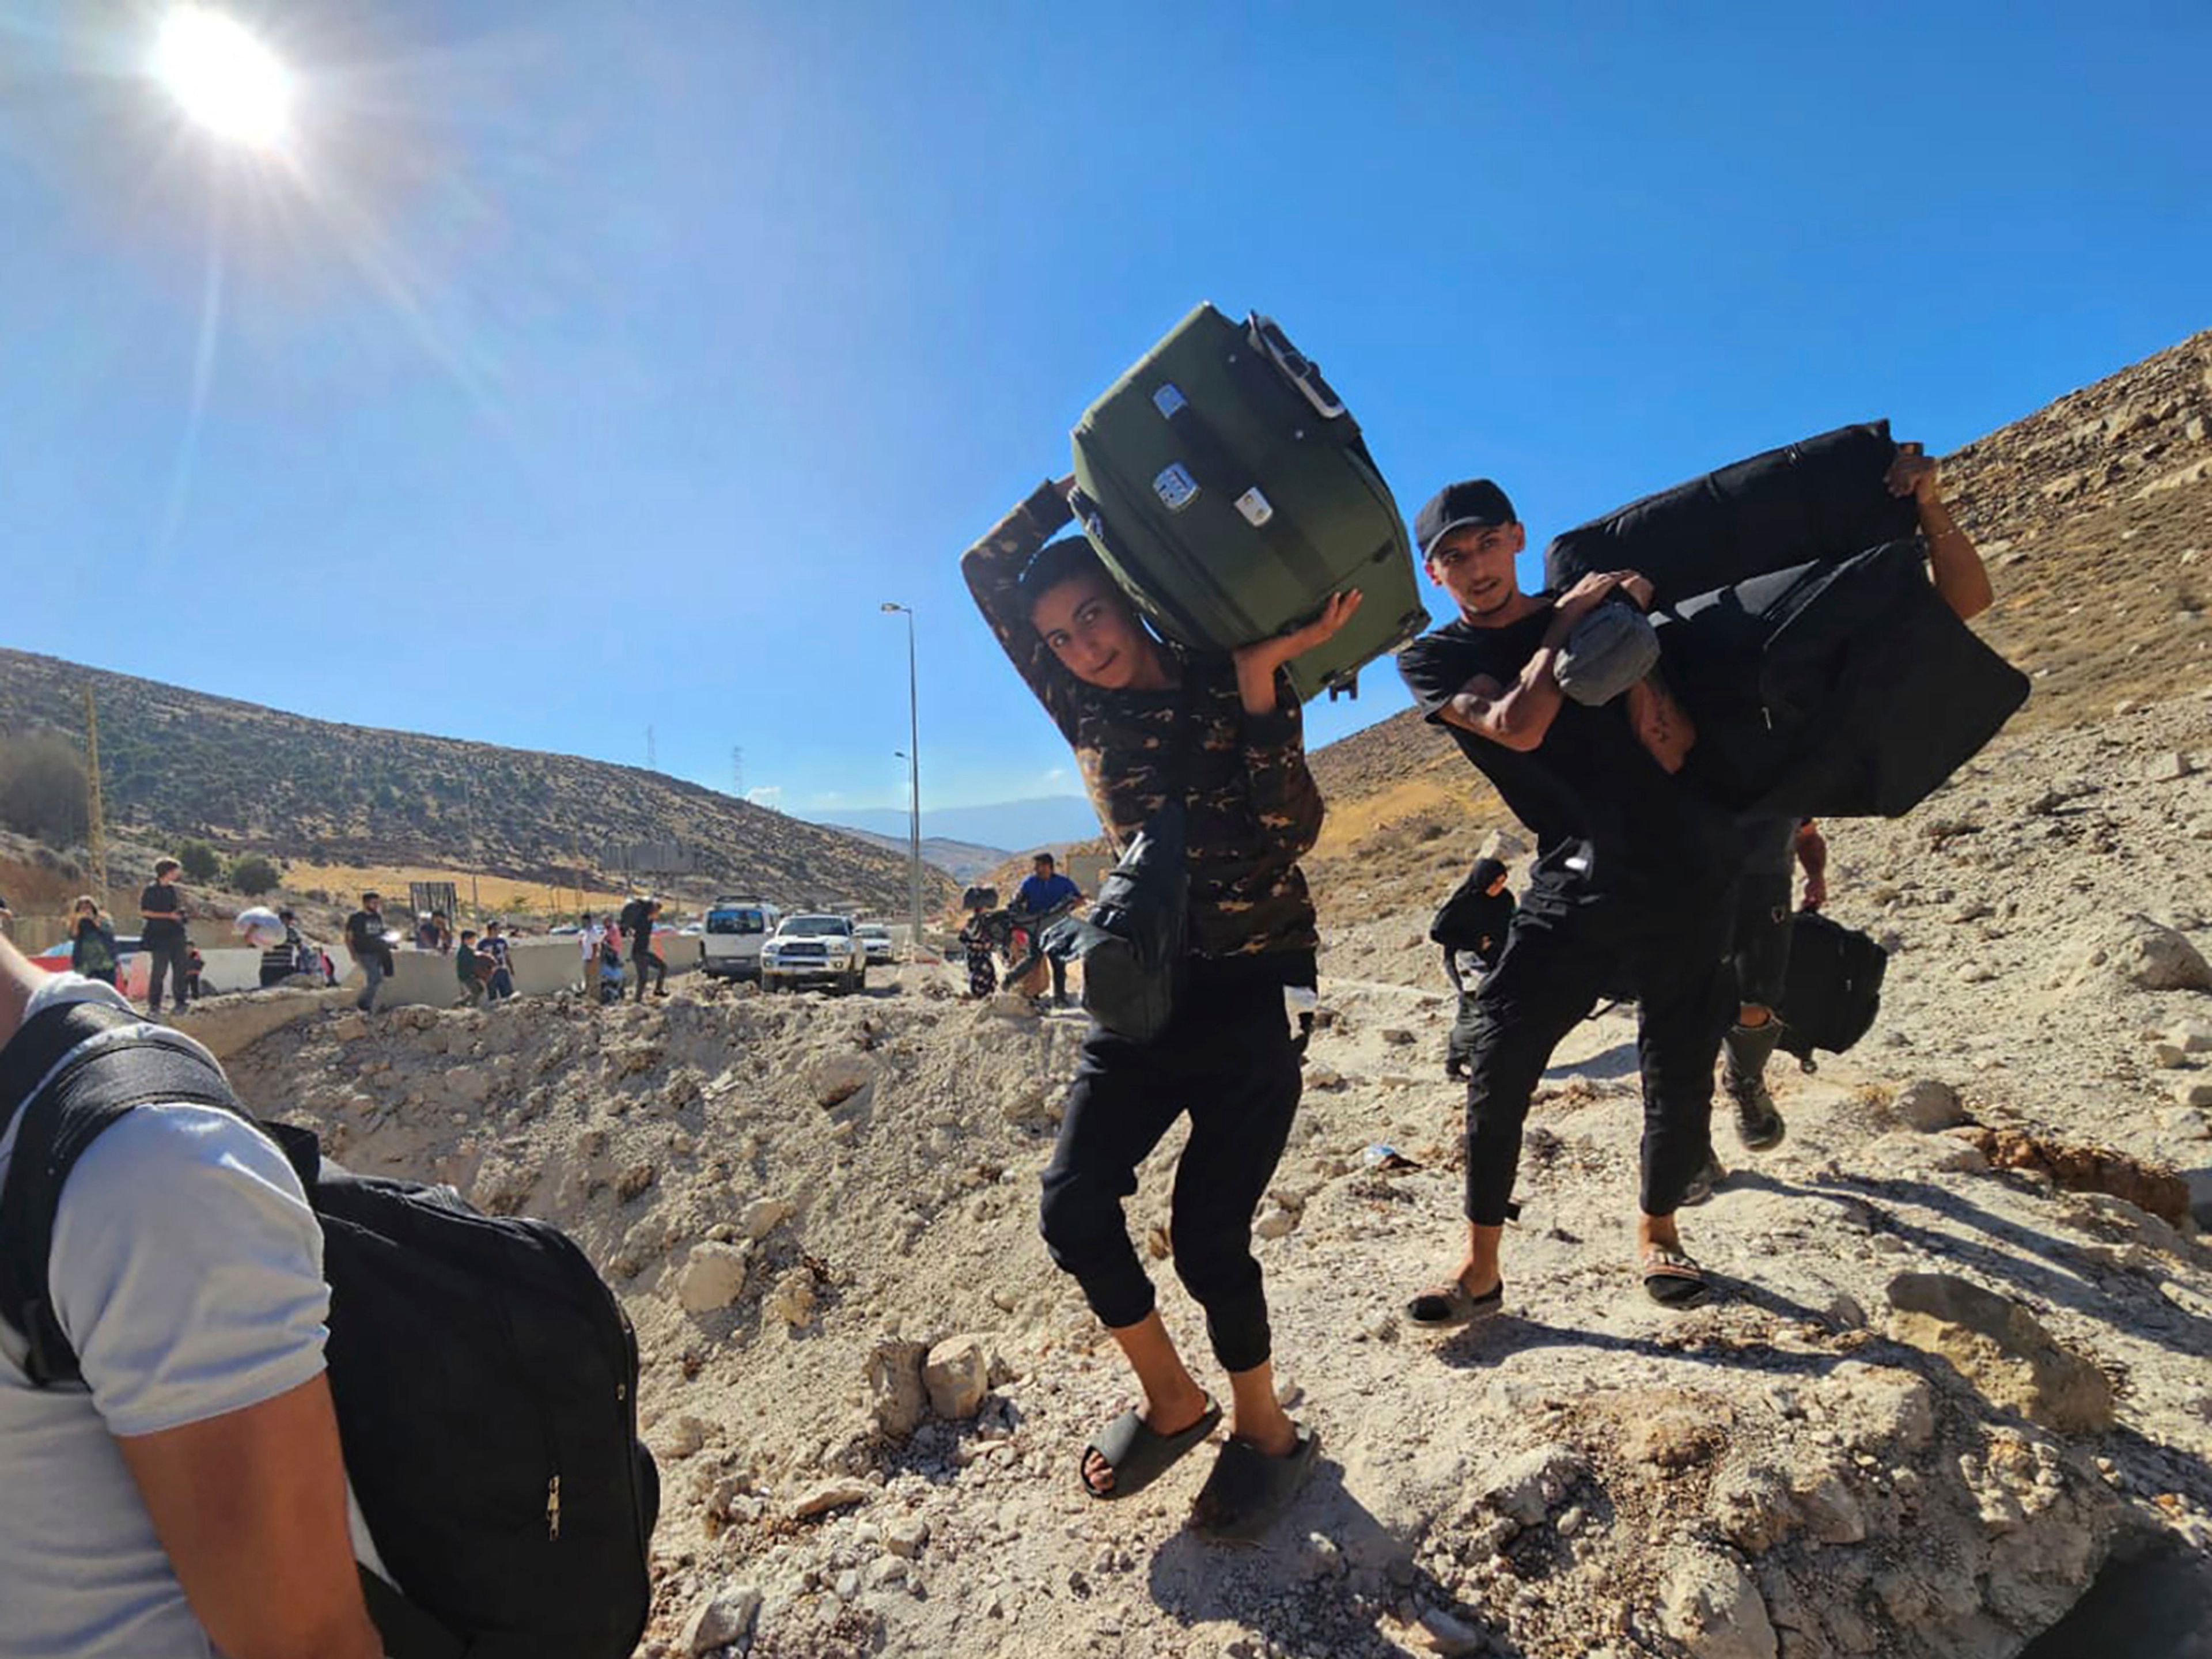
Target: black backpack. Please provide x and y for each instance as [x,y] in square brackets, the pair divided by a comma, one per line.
[1832,991]
[1131,943]
[485,1379]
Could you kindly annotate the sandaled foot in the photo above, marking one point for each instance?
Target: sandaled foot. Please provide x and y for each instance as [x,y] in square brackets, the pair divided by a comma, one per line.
[1249,1491]
[1135,1454]
[1452,1304]
[1671,1279]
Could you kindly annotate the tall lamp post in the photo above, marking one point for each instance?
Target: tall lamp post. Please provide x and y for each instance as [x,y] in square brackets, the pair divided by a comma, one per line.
[914,784]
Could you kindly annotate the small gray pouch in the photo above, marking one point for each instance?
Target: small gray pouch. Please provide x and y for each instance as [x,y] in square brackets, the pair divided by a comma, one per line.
[1609,650]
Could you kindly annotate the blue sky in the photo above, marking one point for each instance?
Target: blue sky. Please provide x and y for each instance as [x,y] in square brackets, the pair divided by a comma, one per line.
[599,365]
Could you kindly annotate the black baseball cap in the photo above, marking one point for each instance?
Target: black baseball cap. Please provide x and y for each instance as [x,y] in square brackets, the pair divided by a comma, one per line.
[1475,502]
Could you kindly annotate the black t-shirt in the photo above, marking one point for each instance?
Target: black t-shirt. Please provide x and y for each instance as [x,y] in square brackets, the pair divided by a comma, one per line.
[160,930]
[1609,820]
[364,931]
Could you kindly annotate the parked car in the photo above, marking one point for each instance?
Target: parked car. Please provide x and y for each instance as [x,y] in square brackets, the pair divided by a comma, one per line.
[875,939]
[736,927]
[813,949]
[55,958]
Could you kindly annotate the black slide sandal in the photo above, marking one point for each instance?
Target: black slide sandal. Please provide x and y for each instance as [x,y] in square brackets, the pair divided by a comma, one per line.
[1137,1454]
[1452,1304]
[1249,1491]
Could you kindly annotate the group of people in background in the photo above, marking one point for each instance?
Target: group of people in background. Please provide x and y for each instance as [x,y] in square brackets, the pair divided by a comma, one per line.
[602,952]
[1017,932]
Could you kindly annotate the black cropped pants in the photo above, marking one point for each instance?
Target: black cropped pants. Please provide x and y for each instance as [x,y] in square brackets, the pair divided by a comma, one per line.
[1227,1060]
[1561,959]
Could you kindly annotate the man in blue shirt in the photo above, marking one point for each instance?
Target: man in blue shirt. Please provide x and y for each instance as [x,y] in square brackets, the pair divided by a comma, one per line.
[1043,894]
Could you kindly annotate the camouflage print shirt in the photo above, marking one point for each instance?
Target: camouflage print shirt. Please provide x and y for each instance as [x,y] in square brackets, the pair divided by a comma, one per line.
[1253,808]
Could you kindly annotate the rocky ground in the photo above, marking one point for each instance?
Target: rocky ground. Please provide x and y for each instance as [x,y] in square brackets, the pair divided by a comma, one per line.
[1959,1360]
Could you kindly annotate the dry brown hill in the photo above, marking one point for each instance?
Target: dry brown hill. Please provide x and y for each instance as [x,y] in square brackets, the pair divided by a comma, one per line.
[177,763]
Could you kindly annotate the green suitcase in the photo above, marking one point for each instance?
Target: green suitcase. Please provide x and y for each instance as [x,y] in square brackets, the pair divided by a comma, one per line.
[1228,488]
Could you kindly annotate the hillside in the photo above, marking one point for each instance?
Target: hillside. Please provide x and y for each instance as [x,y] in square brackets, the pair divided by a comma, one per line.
[2095,516]
[176,762]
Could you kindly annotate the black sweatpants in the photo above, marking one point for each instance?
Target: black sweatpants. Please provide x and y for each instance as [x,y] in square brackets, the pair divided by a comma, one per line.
[1561,959]
[1226,1059]
[643,962]
[172,958]
[1763,894]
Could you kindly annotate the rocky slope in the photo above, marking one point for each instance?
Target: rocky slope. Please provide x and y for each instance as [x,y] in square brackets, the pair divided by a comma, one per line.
[177,762]
[1935,1392]
[1957,1368]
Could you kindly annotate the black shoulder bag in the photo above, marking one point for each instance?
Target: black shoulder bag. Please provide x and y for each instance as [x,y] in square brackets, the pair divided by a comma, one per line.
[1131,942]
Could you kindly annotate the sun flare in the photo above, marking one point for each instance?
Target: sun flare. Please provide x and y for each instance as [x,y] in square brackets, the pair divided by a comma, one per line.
[224,79]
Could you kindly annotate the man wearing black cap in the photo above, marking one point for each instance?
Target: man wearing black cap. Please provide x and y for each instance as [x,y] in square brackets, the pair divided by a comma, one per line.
[1630,882]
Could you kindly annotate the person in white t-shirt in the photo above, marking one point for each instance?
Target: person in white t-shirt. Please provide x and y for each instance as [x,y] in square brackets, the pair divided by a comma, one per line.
[190,1500]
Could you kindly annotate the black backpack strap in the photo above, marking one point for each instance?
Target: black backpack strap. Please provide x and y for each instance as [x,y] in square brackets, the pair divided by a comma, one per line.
[91,1089]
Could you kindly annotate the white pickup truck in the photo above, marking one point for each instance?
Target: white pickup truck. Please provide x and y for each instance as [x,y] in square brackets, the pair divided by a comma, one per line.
[814,950]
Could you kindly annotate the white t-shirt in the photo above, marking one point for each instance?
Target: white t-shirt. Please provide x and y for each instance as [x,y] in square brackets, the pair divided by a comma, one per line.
[187,1273]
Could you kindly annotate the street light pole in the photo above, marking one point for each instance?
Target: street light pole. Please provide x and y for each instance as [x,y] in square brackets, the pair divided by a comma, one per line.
[914,785]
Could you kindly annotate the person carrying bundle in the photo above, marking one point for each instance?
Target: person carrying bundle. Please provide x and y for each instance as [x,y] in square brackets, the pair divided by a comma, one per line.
[1631,882]
[976,942]
[1155,727]
[1471,926]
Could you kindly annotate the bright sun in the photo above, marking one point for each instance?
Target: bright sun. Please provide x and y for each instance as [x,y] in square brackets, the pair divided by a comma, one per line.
[225,79]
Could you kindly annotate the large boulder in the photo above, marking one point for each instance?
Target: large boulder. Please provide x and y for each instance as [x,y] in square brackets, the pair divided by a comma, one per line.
[1929,1106]
[2149,955]
[2003,1350]
[1526,1485]
[724,1618]
[957,1376]
[712,1277]
[897,1401]
[1712,1606]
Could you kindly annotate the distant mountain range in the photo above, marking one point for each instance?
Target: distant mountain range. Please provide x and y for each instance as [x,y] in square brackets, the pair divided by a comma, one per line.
[961,860]
[1019,826]
[176,762]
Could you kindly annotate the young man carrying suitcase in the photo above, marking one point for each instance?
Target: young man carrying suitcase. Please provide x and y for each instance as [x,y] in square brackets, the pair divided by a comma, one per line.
[190,1497]
[1149,723]
[1631,879]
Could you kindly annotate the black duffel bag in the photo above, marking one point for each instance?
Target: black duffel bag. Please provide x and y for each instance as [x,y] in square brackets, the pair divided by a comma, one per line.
[1826,498]
[1841,689]
[1130,942]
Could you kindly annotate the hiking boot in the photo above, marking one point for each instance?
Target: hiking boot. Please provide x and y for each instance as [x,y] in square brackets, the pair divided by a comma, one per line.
[1758,1123]
[1709,1176]
[1746,1050]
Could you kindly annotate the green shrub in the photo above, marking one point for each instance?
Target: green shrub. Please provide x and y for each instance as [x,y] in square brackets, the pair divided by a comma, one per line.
[199,862]
[253,875]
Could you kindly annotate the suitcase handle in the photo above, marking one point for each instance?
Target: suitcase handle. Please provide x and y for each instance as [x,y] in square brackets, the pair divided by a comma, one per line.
[1301,371]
